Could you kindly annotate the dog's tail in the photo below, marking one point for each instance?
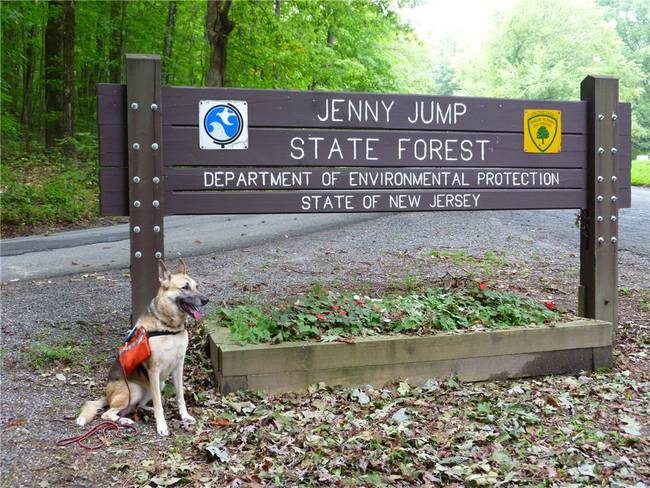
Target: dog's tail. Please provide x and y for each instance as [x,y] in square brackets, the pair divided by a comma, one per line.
[89,411]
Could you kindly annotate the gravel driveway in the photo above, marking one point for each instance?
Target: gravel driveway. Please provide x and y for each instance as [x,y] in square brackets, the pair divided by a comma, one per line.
[88,314]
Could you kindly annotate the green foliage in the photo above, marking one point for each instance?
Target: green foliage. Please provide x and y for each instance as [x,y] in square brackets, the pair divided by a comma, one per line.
[545,53]
[350,46]
[632,20]
[327,316]
[41,354]
[48,189]
[318,45]
[641,173]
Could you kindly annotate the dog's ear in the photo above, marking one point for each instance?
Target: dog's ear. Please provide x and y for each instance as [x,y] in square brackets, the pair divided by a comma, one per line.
[163,274]
[182,267]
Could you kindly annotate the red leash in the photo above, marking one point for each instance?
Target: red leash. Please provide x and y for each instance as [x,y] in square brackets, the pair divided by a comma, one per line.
[101,428]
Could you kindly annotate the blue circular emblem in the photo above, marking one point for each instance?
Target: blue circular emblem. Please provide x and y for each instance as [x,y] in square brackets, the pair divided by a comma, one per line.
[223,123]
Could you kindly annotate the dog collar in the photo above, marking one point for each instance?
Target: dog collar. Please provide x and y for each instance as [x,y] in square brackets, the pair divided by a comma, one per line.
[155,333]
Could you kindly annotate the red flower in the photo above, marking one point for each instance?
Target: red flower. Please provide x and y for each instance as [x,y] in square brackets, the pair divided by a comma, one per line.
[550,304]
[320,316]
[482,286]
[335,307]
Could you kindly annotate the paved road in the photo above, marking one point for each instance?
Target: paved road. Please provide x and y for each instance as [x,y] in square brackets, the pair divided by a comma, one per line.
[108,247]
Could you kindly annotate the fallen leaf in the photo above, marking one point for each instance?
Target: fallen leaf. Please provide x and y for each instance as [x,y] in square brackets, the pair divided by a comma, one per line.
[164,480]
[216,452]
[404,388]
[400,416]
[220,422]
[360,396]
[631,426]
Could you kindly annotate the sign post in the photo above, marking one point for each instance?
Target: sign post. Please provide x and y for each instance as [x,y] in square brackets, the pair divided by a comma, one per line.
[598,296]
[146,205]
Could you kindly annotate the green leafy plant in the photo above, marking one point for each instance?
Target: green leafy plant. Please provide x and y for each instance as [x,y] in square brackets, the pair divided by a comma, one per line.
[331,316]
[41,354]
[47,189]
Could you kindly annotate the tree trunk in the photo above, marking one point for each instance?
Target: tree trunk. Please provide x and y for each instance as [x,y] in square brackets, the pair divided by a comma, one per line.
[68,75]
[218,28]
[169,40]
[54,73]
[28,81]
[116,53]
[276,70]
[59,73]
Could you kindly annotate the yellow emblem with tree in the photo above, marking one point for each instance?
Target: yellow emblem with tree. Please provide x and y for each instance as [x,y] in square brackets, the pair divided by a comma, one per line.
[542,131]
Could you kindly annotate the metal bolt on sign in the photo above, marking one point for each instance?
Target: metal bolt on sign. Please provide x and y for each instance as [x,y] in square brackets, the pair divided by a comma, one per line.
[601,240]
[136,146]
[155,203]
[601,116]
[154,146]
[136,229]
[136,204]
[158,255]
[614,240]
[601,150]
[155,180]
[614,178]
[614,150]
[600,179]
[614,116]
[136,179]
[138,254]
[599,218]
[134,106]
[154,107]
[613,218]
[614,198]
[156,228]
[600,198]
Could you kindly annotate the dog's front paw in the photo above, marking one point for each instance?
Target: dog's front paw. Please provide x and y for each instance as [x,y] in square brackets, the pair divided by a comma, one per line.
[163,430]
[188,419]
[81,421]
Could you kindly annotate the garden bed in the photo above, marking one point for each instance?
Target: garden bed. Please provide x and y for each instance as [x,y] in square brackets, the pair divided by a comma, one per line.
[571,347]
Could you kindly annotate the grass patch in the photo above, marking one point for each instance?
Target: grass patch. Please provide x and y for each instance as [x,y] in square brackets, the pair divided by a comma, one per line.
[329,316]
[645,302]
[47,189]
[41,354]
[641,173]
[486,264]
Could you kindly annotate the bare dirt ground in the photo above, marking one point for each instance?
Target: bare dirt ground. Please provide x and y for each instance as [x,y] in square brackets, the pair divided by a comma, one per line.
[60,335]
[9,231]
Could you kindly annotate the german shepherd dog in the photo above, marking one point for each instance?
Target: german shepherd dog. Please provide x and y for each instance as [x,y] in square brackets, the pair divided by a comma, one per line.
[178,298]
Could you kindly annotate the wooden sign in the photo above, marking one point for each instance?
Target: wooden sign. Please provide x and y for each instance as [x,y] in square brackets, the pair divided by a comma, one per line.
[174,150]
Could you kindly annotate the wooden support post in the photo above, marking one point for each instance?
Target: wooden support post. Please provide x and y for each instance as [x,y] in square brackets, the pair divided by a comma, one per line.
[598,296]
[146,206]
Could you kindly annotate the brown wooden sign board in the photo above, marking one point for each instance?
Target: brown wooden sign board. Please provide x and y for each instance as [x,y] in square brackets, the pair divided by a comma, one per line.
[309,152]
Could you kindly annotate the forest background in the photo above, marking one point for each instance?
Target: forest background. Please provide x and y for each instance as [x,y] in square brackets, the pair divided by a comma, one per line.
[53,54]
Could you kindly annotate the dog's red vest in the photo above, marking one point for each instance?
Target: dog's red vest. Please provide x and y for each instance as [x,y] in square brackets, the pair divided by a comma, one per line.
[135,351]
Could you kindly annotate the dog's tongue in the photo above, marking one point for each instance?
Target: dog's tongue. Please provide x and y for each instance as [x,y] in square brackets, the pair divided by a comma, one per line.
[196,314]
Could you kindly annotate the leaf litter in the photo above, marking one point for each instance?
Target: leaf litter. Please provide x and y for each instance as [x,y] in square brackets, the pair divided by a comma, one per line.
[553,431]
